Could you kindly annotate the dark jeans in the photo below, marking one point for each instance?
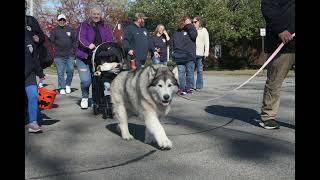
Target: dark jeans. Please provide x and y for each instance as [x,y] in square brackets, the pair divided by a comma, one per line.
[199,64]
[186,75]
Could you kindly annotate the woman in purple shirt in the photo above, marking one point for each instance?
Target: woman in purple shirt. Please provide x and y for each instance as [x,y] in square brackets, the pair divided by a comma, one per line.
[90,34]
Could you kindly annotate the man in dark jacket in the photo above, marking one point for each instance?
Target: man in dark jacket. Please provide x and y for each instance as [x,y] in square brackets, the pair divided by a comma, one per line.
[280,21]
[137,41]
[63,39]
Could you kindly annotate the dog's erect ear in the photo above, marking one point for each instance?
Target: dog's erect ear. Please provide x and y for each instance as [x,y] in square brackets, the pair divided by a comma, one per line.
[176,73]
[152,73]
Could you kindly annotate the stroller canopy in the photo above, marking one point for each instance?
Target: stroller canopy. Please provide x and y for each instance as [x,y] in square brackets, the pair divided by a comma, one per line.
[106,50]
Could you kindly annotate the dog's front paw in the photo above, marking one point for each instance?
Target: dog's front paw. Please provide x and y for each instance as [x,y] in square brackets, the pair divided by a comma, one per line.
[165,144]
[127,137]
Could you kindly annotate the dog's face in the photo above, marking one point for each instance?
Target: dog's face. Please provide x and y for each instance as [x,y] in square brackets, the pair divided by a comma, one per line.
[163,84]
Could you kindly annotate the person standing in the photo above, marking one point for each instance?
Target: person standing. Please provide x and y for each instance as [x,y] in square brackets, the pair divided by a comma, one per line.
[202,51]
[33,35]
[90,34]
[137,41]
[63,39]
[160,42]
[184,54]
[280,25]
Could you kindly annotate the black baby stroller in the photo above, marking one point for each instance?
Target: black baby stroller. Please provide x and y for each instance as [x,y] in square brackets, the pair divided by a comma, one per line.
[107,61]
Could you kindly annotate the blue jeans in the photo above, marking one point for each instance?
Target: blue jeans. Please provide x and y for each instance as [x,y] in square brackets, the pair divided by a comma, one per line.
[32,94]
[85,77]
[63,64]
[199,64]
[186,75]
[156,60]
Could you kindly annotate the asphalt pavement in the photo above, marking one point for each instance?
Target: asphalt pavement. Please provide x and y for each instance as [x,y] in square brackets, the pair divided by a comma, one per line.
[211,140]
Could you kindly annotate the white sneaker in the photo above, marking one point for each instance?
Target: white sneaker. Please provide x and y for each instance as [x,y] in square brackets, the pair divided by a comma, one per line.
[68,89]
[84,103]
[62,91]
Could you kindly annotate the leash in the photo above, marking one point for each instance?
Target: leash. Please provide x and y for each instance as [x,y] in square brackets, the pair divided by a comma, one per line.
[244,83]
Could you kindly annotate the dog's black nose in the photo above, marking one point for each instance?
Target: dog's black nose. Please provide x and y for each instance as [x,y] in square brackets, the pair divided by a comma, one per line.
[166,97]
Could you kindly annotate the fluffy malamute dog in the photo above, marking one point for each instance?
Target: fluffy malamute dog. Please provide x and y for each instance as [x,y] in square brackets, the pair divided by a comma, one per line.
[148,93]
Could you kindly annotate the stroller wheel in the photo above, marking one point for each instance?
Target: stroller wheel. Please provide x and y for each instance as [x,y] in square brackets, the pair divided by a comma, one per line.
[95,109]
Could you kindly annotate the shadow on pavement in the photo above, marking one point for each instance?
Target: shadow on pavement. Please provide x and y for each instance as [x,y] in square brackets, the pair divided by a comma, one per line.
[237,144]
[55,105]
[259,150]
[46,120]
[72,90]
[243,114]
[43,119]
[136,130]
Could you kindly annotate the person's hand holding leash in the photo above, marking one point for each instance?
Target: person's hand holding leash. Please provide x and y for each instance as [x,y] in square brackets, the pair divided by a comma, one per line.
[285,36]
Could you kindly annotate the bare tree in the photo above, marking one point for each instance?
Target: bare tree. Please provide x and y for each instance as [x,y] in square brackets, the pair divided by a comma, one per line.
[77,11]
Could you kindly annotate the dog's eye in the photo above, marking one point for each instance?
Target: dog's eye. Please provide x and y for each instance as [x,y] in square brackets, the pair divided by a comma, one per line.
[169,85]
[160,85]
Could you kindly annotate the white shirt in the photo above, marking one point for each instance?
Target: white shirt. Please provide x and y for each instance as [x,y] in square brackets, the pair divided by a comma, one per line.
[202,42]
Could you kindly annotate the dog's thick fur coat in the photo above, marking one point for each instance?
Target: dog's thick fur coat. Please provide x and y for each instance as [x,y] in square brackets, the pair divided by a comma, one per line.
[147,93]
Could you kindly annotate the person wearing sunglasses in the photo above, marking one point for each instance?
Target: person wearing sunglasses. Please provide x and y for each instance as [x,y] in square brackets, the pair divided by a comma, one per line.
[202,50]
[63,39]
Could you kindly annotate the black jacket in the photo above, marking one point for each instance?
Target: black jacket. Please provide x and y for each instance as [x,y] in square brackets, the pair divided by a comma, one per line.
[279,16]
[63,39]
[162,43]
[32,66]
[138,39]
[33,28]
[184,40]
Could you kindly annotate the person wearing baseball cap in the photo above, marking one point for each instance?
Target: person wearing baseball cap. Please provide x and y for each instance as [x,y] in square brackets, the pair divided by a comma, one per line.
[61,17]
[137,41]
[63,39]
